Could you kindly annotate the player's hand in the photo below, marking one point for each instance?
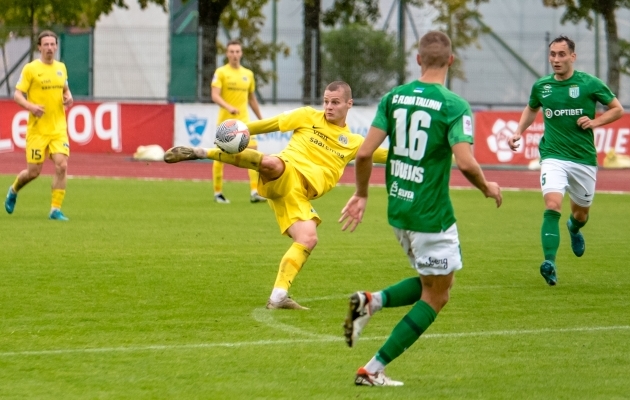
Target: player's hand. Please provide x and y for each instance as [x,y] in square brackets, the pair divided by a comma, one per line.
[586,123]
[233,111]
[352,213]
[493,190]
[512,141]
[68,100]
[37,110]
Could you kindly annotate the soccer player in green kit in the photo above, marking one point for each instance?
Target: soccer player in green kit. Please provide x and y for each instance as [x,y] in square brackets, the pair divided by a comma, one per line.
[567,149]
[426,124]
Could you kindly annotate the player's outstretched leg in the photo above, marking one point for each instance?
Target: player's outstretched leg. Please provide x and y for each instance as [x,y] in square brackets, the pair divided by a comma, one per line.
[9,201]
[577,240]
[181,153]
[359,314]
[364,378]
[548,271]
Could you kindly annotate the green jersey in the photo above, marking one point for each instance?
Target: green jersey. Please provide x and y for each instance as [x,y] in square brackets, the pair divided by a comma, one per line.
[422,121]
[563,103]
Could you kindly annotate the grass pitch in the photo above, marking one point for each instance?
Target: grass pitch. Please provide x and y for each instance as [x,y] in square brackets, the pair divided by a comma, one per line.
[152,290]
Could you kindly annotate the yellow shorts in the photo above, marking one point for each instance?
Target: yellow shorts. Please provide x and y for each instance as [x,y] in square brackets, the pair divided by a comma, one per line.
[288,197]
[38,146]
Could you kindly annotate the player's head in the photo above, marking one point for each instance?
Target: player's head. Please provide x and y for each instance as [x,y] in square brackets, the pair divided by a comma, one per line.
[562,56]
[47,45]
[435,51]
[337,102]
[234,52]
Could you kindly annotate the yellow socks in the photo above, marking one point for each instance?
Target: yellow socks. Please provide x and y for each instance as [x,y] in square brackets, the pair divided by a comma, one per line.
[217,176]
[290,265]
[16,185]
[248,158]
[57,198]
[253,180]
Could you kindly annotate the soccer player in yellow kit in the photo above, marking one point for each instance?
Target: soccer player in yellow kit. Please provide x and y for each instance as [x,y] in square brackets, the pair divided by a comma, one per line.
[310,166]
[43,91]
[233,89]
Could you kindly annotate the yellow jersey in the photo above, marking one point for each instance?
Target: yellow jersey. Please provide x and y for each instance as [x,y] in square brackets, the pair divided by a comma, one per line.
[318,149]
[43,85]
[236,84]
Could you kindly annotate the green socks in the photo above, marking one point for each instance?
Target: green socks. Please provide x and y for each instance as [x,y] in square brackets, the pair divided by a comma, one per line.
[408,330]
[550,234]
[403,293]
[575,225]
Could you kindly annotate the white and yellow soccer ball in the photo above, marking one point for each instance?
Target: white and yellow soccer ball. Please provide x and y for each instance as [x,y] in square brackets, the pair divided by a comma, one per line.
[232,136]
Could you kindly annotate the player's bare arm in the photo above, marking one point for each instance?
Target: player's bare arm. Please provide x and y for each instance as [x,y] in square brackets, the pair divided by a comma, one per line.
[472,171]
[352,213]
[216,97]
[67,97]
[527,118]
[35,109]
[253,104]
[614,112]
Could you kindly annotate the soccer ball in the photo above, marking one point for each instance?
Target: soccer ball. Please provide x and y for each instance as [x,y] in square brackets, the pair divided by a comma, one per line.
[232,136]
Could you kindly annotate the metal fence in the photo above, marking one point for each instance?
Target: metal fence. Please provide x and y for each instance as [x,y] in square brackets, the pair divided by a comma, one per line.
[155,65]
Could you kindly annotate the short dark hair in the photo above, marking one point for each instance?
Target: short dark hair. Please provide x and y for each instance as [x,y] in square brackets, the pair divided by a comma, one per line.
[570,43]
[234,42]
[335,85]
[44,34]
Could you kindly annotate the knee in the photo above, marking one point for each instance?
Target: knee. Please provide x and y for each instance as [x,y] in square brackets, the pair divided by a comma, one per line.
[310,241]
[61,167]
[271,167]
[553,205]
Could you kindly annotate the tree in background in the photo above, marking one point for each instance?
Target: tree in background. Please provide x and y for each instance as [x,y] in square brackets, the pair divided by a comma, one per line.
[29,17]
[245,17]
[365,58]
[455,17]
[616,48]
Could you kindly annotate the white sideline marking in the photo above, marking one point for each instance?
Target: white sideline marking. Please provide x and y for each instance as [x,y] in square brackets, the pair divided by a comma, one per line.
[265,316]
[323,339]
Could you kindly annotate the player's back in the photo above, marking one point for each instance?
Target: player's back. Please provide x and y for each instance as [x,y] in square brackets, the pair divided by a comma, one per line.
[423,121]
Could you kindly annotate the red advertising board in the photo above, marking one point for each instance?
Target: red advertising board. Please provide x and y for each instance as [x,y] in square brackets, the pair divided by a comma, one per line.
[97,127]
[494,128]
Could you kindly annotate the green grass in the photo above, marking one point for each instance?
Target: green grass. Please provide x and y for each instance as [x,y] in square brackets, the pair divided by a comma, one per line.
[152,290]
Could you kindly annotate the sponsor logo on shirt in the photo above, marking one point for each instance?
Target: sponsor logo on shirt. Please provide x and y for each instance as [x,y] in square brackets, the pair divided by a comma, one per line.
[468,127]
[567,112]
[395,191]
